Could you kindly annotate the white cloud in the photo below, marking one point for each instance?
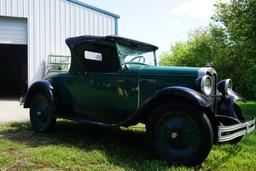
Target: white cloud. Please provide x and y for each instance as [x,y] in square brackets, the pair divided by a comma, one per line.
[194,8]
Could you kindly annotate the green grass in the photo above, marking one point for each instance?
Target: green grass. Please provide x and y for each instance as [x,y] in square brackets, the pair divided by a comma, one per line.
[74,146]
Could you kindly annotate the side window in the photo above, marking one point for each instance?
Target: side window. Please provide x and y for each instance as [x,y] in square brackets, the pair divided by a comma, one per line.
[89,55]
[96,57]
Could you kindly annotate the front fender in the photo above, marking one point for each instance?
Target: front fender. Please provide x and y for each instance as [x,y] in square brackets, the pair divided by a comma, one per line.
[236,97]
[166,94]
[43,86]
[179,93]
[226,104]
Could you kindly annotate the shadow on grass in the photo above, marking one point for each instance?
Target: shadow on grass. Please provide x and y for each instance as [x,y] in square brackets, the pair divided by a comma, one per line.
[123,147]
[127,148]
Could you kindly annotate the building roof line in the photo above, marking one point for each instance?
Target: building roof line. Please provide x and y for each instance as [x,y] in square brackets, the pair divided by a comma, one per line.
[95,8]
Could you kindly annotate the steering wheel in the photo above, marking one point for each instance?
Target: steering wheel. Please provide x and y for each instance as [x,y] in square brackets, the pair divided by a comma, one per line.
[138,57]
[125,64]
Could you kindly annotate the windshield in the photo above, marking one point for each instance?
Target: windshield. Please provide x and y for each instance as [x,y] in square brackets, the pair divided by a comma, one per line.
[134,53]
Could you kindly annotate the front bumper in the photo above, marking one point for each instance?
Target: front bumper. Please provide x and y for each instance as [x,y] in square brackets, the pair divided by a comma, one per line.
[227,133]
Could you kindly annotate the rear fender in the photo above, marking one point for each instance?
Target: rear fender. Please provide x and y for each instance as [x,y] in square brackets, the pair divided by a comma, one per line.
[43,86]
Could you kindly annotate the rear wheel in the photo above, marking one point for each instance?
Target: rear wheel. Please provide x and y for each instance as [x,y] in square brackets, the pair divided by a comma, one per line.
[41,114]
[180,133]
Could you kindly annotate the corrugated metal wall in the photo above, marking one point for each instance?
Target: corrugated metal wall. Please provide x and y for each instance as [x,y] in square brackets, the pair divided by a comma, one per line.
[50,22]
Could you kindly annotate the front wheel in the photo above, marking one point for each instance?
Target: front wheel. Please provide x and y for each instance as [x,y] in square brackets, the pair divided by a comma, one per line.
[41,114]
[180,133]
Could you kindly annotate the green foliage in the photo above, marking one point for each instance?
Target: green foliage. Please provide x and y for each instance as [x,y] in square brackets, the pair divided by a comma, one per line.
[195,52]
[229,43]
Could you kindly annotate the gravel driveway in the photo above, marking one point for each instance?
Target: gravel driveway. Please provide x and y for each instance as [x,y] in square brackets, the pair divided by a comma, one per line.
[11,111]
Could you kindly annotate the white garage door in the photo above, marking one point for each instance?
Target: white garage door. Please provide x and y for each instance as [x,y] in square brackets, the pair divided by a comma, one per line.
[13,31]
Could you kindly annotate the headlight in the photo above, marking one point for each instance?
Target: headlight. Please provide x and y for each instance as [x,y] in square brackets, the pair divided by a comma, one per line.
[225,86]
[206,85]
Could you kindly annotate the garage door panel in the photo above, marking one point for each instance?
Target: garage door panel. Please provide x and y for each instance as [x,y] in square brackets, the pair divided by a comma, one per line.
[13,28]
[12,36]
[13,31]
[16,42]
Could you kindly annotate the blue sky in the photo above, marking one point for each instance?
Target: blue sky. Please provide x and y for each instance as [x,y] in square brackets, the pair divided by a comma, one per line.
[160,22]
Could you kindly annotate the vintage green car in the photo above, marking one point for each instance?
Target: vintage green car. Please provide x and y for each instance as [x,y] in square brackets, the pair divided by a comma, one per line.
[115,81]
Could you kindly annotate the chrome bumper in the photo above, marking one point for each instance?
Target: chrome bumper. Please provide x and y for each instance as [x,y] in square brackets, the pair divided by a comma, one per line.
[227,133]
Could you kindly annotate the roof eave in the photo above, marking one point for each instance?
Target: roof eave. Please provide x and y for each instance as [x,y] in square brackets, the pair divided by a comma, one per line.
[95,8]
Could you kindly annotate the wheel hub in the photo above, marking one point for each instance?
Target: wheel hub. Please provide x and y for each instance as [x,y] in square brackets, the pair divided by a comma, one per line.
[42,112]
[177,134]
[174,135]
[39,113]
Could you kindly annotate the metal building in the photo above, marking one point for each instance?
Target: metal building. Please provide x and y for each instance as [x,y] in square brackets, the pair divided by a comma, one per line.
[33,30]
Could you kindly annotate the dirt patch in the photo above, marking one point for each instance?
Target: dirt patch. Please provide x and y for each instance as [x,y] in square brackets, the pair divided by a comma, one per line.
[12,111]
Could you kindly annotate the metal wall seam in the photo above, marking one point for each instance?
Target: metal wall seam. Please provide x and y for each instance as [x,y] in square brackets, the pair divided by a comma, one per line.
[116,26]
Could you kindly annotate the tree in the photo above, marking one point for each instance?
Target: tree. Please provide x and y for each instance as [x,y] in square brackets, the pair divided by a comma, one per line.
[229,43]
[196,51]
[238,19]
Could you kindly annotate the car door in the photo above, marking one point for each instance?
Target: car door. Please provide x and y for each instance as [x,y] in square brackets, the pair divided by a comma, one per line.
[114,95]
[104,91]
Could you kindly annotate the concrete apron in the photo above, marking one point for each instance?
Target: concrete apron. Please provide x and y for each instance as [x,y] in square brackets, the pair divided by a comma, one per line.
[12,111]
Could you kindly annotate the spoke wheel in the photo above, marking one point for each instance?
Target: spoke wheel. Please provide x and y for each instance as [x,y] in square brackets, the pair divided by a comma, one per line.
[182,136]
[41,114]
[178,134]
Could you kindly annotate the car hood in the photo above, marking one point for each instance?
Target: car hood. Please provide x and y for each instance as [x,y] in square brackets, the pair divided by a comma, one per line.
[168,70]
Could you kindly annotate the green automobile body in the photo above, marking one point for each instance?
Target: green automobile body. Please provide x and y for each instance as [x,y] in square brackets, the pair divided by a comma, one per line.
[114,81]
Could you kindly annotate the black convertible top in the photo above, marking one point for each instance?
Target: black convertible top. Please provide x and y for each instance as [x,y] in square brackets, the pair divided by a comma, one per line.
[77,65]
[73,41]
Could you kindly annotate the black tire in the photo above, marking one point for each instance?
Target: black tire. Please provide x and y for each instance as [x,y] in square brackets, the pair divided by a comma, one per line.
[180,133]
[41,114]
